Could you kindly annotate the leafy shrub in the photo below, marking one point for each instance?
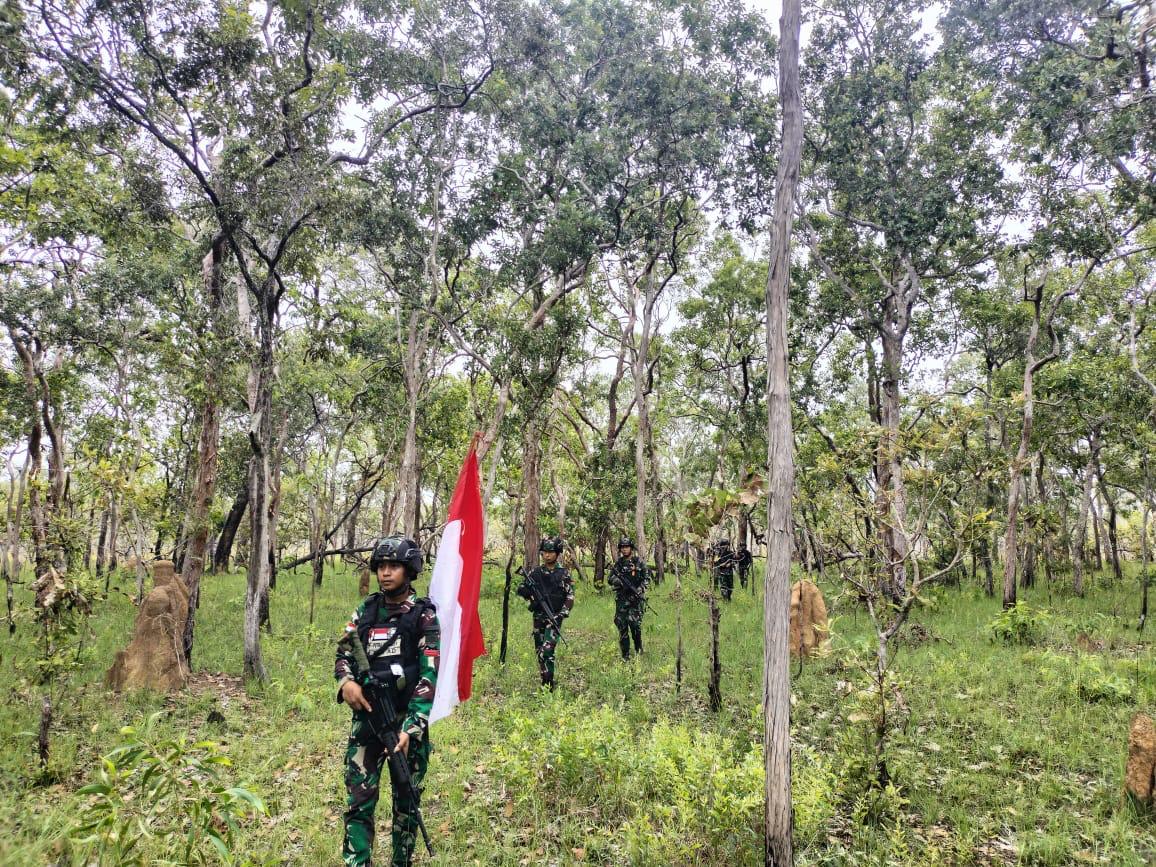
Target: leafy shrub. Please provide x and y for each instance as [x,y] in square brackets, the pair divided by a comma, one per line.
[167,792]
[1020,624]
[1086,678]
[667,794]
[1094,683]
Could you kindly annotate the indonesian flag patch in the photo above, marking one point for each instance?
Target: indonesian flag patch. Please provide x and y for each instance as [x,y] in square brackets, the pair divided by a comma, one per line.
[380,633]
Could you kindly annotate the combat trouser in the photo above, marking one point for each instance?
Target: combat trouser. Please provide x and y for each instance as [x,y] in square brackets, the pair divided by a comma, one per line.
[546,642]
[364,758]
[628,619]
[726,583]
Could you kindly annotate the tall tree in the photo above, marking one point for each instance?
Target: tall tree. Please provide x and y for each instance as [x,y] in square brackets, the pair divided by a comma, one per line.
[780,458]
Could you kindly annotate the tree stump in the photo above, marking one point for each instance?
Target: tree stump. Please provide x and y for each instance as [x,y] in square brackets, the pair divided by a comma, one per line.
[154,658]
[363,583]
[808,618]
[1138,779]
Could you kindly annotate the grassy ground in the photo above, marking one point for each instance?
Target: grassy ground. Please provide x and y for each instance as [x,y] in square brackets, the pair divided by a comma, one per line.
[999,754]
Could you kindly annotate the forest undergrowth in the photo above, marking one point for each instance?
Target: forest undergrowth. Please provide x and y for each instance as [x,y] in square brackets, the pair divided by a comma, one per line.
[1006,742]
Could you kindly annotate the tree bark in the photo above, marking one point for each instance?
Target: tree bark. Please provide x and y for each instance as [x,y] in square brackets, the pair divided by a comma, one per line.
[1018,464]
[222,555]
[531,488]
[1113,523]
[893,492]
[1080,536]
[1145,556]
[642,408]
[714,684]
[101,540]
[780,460]
[260,483]
[204,487]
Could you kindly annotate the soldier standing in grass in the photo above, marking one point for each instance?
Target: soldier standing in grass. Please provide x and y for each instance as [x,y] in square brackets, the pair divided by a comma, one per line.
[724,568]
[629,580]
[550,592]
[399,632]
[744,560]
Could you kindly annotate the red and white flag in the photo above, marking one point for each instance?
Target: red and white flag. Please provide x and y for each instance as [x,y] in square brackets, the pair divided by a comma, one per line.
[454,588]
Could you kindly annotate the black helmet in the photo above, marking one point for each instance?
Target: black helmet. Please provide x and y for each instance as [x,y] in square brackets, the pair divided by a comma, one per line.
[625,542]
[552,546]
[396,549]
[724,543]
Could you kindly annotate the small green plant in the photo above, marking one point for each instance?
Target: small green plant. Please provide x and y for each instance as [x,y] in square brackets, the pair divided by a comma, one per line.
[1020,624]
[1095,684]
[166,796]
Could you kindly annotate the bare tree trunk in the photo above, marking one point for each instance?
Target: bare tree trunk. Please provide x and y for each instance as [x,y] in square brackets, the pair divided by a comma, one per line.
[88,535]
[642,408]
[1112,523]
[531,489]
[113,533]
[1080,537]
[1019,465]
[1028,578]
[204,489]
[1045,535]
[893,492]
[10,563]
[714,685]
[780,461]
[1097,522]
[408,479]
[224,550]
[260,480]
[599,578]
[509,581]
[101,541]
[1145,557]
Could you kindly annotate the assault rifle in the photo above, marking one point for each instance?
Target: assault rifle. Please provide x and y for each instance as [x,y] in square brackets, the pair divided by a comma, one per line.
[636,592]
[543,605]
[382,706]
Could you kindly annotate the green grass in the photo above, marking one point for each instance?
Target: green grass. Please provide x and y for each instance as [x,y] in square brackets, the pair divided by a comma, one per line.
[1004,754]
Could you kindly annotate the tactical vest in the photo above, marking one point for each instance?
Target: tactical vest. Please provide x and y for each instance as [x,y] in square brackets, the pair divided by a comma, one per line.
[630,569]
[393,640]
[551,586]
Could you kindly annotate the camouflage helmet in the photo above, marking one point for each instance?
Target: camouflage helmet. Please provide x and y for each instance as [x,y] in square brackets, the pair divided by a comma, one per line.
[625,542]
[551,546]
[396,549]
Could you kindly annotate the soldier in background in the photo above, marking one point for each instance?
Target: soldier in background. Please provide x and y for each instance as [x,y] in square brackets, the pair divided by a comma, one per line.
[629,579]
[724,568]
[550,592]
[744,560]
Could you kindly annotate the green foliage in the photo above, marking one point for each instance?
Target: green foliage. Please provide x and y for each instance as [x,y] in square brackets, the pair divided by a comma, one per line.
[168,790]
[1020,624]
[679,795]
[1086,678]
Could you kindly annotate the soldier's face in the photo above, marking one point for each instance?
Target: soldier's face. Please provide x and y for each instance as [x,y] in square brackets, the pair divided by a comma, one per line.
[625,550]
[391,578]
[549,558]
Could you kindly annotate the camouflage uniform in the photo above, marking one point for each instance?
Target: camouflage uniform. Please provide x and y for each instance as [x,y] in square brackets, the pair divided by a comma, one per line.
[744,560]
[557,587]
[385,639]
[724,570]
[629,579]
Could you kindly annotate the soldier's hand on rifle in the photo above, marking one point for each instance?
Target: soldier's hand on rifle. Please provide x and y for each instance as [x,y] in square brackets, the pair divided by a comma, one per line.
[353,696]
[402,743]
